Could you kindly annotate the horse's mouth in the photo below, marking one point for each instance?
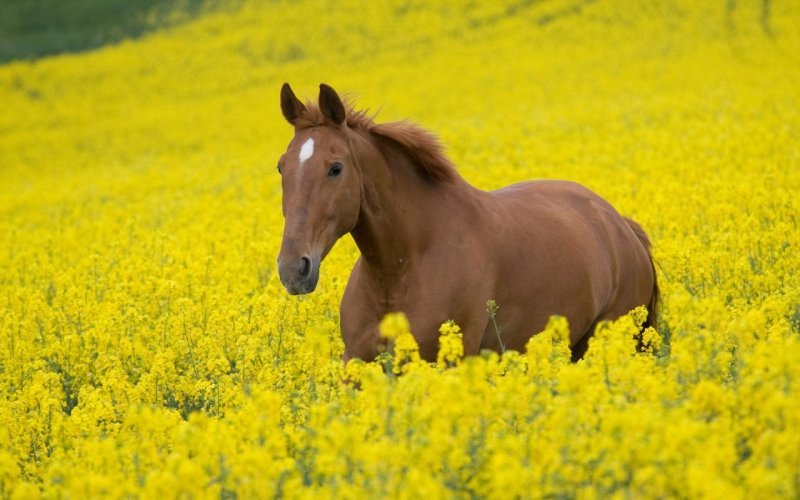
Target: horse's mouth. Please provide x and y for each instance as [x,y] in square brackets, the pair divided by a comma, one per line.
[300,288]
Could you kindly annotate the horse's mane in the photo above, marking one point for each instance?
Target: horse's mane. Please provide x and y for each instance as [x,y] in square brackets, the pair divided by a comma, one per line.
[422,146]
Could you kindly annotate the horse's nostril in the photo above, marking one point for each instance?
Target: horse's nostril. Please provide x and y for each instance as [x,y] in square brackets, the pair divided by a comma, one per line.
[305,268]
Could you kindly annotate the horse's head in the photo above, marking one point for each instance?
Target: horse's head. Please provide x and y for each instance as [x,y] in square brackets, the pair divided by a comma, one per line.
[321,187]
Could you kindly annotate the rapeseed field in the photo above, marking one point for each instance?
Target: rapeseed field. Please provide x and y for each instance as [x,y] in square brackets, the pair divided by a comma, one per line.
[148,349]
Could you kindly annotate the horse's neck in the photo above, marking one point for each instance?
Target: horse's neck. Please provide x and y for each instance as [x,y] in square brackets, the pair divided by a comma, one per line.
[400,210]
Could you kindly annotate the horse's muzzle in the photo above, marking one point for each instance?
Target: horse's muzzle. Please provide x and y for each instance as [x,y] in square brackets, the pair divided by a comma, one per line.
[299,276]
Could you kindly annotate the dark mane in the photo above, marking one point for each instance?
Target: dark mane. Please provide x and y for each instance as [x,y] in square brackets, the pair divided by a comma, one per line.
[422,146]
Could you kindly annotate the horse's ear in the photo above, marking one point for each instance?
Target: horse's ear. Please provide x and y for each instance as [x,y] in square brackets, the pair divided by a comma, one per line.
[331,105]
[291,106]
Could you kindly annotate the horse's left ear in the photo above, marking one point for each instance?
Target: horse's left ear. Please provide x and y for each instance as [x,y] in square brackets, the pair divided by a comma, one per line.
[331,105]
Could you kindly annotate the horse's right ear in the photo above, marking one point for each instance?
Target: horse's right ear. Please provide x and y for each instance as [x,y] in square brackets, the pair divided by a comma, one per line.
[291,106]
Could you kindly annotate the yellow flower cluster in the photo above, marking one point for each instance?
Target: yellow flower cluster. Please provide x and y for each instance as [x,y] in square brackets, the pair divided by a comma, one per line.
[147,347]
[403,351]
[451,345]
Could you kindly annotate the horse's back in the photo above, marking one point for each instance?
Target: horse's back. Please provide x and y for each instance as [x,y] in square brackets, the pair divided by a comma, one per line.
[562,213]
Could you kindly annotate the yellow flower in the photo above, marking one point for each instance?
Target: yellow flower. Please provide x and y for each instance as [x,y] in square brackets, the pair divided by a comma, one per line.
[451,345]
[394,325]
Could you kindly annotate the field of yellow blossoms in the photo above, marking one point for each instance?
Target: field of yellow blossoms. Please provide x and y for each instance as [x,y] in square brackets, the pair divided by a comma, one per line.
[148,349]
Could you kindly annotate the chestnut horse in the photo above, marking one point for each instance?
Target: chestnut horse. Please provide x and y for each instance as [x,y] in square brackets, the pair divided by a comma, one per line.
[437,248]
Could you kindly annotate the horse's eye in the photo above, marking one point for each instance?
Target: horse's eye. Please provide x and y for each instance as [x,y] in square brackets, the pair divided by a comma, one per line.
[279,168]
[336,169]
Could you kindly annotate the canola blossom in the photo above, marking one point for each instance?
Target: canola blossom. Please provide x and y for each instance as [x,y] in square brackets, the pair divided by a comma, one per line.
[148,348]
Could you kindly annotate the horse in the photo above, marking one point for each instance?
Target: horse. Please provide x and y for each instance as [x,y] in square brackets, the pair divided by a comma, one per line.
[437,248]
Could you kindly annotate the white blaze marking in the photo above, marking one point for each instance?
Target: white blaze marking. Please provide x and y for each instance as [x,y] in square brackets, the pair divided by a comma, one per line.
[307,150]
